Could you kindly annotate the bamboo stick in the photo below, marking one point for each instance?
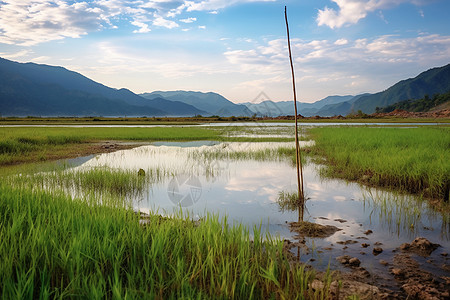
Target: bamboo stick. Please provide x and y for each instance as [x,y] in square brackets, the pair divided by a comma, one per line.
[297,145]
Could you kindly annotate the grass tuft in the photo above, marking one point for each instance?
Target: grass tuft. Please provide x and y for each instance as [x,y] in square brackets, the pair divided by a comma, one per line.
[415,160]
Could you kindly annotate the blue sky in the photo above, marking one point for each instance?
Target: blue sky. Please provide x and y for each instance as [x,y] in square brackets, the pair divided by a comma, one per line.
[233,47]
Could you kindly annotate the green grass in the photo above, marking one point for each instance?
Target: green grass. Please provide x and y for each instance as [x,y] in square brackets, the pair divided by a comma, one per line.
[411,159]
[228,152]
[64,135]
[25,144]
[98,182]
[288,201]
[53,246]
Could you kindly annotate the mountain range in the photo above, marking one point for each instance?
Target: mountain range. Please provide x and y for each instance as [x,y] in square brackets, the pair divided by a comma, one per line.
[29,89]
[430,82]
[212,103]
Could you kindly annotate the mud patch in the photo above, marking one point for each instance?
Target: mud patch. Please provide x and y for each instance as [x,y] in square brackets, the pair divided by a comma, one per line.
[420,246]
[308,229]
[417,283]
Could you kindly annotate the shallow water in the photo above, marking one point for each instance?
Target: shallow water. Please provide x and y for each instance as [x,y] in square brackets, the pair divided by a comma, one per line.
[201,178]
[246,190]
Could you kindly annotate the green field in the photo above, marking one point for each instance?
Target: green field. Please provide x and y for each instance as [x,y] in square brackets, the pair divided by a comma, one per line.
[28,144]
[415,160]
[55,247]
[96,246]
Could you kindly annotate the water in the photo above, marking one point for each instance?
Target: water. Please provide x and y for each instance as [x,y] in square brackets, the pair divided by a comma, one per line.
[202,178]
[233,124]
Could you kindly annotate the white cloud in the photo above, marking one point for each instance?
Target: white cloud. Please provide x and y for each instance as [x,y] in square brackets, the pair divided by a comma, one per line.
[421,13]
[188,20]
[351,11]
[161,22]
[30,22]
[214,5]
[21,53]
[202,27]
[363,65]
[341,42]
[143,28]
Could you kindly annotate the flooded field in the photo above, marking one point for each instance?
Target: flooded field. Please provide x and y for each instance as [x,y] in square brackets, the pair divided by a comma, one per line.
[243,181]
[239,177]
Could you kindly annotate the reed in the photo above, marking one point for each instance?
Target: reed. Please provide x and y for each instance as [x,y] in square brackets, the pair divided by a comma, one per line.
[410,159]
[289,201]
[28,144]
[98,182]
[53,246]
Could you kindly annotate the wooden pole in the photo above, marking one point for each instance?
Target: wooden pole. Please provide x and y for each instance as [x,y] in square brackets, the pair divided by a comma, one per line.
[297,145]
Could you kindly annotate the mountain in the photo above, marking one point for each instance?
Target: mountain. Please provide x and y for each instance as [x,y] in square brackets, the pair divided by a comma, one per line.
[34,89]
[211,103]
[283,108]
[420,105]
[341,108]
[433,81]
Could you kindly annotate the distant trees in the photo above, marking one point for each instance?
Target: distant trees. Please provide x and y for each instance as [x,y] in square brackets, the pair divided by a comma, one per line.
[358,115]
[419,105]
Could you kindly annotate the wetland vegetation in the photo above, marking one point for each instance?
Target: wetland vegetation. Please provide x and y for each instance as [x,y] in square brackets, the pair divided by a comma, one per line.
[415,160]
[53,246]
[27,144]
[74,233]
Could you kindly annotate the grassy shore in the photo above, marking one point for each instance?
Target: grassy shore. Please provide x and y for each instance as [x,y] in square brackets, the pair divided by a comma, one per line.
[414,159]
[29,144]
[55,247]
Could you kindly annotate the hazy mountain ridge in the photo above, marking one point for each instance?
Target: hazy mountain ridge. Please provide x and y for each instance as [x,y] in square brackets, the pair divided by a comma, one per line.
[34,89]
[431,82]
[211,103]
[42,90]
[320,108]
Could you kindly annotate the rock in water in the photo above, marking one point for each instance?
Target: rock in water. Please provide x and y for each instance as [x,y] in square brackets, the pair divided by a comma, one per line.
[420,245]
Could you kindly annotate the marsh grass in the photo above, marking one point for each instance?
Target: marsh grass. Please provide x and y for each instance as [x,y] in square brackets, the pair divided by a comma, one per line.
[94,182]
[402,213]
[288,201]
[243,151]
[415,160]
[263,154]
[53,246]
[21,144]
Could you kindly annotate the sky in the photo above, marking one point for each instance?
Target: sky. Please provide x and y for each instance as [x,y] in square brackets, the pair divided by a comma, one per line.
[237,48]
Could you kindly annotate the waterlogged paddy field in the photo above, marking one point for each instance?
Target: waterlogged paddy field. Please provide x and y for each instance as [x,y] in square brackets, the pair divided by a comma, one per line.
[243,180]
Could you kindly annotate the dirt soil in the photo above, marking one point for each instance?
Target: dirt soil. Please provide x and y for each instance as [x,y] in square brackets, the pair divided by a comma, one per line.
[85,149]
[309,229]
[411,280]
[444,113]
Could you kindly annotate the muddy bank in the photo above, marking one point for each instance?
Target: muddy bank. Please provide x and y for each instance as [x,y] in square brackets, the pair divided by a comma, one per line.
[408,278]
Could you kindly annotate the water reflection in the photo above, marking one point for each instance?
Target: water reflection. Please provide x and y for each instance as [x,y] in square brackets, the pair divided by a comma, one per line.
[244,181]
[247,187]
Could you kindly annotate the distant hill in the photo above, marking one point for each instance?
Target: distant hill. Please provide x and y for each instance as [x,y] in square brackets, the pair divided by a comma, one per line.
[341,108]
[210,103]
[283,108]
[433,81]
[42,90]
[29,89]
[420,105]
